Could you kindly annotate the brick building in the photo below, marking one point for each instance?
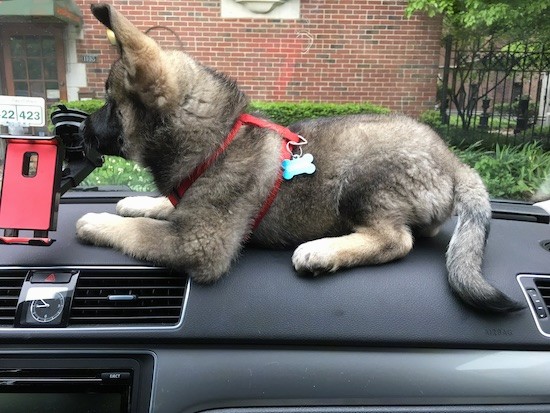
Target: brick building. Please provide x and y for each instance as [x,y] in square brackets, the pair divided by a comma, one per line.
[318,50]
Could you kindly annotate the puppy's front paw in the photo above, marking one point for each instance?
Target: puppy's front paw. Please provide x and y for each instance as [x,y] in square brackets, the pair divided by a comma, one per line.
[98,229]
[314,257]
[132,206]
[144,206]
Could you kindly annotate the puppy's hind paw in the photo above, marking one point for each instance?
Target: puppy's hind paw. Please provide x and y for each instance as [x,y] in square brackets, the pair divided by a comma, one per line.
[314,257]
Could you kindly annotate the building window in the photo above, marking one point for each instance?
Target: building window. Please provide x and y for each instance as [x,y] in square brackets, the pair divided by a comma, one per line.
[34,63]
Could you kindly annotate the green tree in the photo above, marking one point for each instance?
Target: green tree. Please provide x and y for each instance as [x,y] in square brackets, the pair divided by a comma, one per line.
[506,19]
[488,36]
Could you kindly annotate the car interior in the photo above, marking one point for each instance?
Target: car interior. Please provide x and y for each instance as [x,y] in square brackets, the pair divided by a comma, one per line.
[89,329]
[85,328]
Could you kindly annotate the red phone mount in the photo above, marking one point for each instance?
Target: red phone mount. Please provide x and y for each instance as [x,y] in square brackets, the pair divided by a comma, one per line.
[37,171]
[29,199]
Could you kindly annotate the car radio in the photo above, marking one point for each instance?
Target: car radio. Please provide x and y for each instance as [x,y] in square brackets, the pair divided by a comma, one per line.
[58,384]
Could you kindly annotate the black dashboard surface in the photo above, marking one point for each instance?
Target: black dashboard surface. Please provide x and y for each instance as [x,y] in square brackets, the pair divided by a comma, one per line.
[406,303]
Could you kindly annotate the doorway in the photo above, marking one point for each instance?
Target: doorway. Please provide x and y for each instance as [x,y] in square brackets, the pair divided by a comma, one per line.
[33,61]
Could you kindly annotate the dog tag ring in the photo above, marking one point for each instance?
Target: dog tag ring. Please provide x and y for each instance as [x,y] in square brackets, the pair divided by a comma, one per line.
[299,164]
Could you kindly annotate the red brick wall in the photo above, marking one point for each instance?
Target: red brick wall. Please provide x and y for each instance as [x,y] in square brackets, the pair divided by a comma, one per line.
[338,51]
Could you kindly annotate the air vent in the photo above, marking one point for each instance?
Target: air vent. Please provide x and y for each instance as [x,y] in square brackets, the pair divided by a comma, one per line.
[543,285]
[10,287]
[536,288]
[129,297]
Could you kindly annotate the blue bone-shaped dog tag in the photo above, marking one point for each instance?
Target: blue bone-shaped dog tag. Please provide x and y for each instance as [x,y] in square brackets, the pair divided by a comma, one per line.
[298,166]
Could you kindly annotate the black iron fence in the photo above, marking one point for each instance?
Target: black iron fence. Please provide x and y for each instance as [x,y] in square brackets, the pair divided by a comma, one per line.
[495,94]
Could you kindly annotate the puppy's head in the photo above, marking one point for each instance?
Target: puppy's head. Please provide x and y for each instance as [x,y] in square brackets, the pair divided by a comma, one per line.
[139,83]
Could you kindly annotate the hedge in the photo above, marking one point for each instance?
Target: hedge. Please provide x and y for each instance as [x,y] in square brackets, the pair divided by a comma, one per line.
[508,171]
[514,172]
[117,171]
[283,113]
[286,113]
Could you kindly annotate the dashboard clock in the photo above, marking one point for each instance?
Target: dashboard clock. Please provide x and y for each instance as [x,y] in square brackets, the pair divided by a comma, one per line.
[46,310]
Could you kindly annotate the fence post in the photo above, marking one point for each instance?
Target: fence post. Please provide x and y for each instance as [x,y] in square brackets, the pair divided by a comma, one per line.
[522,120]
[484,117]
[443,107]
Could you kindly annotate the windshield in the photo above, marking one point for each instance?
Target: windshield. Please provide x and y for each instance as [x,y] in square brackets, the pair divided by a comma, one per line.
[481,78]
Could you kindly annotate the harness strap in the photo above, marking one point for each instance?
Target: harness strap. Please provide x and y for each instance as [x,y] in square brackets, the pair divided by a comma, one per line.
[244,119]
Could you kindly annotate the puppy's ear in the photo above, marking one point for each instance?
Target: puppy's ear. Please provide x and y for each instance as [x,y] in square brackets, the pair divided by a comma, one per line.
[147,74]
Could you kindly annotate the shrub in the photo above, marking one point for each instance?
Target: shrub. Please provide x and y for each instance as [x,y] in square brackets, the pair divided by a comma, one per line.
[286,113]
[431,118]
[499,132]
[117,171]
[512,109]
[88,106]
[120,172]
[512,172]
[283,113]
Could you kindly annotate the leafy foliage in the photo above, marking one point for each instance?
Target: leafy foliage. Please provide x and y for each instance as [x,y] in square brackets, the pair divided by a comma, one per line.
[120,172]
[432,118]
[283,113]
[286,113]
[117,171]
[512,172]
[515,19]
[88,106]
[499,130]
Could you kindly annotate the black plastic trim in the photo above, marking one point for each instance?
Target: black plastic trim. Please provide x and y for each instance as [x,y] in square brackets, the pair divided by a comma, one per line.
[232,378]
[519,211]
[96,195]
[531,408]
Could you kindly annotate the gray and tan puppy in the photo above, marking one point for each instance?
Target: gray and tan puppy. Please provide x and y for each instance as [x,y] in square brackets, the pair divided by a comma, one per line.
[379,179]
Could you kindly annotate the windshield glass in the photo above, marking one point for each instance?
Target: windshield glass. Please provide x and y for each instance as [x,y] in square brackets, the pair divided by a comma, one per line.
[479,74]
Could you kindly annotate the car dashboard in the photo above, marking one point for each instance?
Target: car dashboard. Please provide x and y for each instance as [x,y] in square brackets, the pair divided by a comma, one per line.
[78,321]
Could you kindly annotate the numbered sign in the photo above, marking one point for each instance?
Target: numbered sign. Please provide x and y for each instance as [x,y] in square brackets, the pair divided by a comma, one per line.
[25,111]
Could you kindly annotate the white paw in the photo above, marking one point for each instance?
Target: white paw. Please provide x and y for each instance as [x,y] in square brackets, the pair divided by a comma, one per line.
[98,229]
[144,206]
[315,257]
[133,206]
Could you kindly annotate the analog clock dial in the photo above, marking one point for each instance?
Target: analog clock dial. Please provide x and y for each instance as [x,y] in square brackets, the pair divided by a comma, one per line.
[45,310]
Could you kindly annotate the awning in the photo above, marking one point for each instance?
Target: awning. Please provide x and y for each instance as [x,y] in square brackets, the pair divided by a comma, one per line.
[64,10]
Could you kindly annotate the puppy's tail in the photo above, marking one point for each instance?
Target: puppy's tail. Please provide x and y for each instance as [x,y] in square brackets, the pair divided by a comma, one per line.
[465,252]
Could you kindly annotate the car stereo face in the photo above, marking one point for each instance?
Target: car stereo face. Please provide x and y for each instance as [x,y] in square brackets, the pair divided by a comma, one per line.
[74,385]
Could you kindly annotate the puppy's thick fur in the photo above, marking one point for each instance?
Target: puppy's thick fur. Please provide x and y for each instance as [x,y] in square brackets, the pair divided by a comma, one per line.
[379,179]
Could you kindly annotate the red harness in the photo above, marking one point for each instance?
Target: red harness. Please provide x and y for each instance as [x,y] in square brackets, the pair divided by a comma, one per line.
[244,119]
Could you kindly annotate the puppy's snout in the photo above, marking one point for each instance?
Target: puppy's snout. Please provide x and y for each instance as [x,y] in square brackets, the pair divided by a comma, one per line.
[102,132]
